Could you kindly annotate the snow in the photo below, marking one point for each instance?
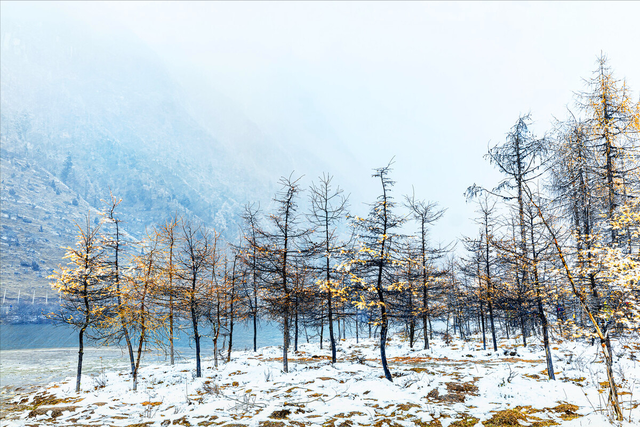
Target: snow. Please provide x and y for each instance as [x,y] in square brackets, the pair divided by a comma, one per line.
[440,386]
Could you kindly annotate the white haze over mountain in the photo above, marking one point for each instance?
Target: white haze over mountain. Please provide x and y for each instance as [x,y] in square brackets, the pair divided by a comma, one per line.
[344,87]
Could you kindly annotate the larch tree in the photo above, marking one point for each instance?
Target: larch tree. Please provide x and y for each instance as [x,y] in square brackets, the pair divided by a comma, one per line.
[83,286]
[115,245]
[194,259]
[249,251]
[141,293]
[216,295]
[612,122]
[234,280]
[373,268]
[328,209]
[169,236]
[613,127]
[539,244]
[520,160]
[425,214]
[595,320]
[486,255]
[595,175]
[278,250]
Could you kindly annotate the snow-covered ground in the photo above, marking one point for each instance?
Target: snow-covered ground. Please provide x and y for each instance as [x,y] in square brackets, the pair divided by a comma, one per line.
[456,385]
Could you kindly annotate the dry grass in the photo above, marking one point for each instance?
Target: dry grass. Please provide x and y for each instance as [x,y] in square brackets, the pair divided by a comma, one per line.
[467,421]
[506,418]
[567,411]
[281,414]
[55,411]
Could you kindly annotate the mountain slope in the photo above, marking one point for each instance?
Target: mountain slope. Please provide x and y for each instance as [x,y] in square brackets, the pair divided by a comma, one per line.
[84,114]
[71,94]
[38,220]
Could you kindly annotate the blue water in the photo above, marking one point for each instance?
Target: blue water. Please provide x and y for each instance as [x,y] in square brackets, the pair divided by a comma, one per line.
[39,354]
[30,336]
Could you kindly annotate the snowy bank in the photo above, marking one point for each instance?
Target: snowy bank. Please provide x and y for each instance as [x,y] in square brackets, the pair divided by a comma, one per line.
[455,385]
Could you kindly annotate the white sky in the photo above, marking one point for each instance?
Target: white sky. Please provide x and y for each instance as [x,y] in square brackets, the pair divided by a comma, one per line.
[430,83]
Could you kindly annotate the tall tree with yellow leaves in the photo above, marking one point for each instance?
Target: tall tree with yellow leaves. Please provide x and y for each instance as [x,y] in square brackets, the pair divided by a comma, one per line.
[373,266]
[170,241]
[83,286]
[141,296]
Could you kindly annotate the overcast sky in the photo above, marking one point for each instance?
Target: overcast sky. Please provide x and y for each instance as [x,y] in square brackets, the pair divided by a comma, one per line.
[429,83]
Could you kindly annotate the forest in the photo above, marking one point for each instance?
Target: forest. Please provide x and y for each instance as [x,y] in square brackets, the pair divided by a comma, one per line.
[555,256]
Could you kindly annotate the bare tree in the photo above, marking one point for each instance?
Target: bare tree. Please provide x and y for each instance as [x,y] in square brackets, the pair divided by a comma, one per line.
[278,250]
[249,251]
[194,259]
[425,214]
[328,208]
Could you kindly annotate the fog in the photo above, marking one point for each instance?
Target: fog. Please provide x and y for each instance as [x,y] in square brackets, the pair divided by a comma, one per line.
[346,87]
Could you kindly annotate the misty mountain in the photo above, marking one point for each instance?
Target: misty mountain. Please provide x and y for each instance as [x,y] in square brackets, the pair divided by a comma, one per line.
[107,109]
[92,109]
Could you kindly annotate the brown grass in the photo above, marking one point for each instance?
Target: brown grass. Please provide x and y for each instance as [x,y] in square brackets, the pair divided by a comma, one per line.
[55,411]
[281,414]
[506,418]
[465,422]
[567,411]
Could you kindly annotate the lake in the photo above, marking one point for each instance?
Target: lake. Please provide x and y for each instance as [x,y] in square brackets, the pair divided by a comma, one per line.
[38,354]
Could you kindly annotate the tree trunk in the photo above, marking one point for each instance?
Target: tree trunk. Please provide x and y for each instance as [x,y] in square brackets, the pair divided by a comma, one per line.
[119,299]
[321,329]
[285,343]
[613,390]
[545,337]
[524,330]
[383,343]
[80,356]
[331,335]
[171,349]
[230,340]
[295,328]
[484,334]
[493,327]
[425,319]
[357,329]
[412,332]
[139,357]
[255,333]
[130,348]
[196,337]
[215,345]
